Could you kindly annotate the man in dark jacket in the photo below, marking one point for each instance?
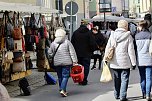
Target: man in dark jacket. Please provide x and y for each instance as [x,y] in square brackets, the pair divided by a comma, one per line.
[84,45]
[101,42]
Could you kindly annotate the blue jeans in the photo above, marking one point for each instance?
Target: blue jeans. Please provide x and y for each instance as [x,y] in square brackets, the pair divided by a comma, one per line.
[121,80]
[86,63]
[63,73]
[145,79]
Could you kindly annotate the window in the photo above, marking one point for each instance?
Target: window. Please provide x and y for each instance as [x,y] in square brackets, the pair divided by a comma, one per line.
[105,1]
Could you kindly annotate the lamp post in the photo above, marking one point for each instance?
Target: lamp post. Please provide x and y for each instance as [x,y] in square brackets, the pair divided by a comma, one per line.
[71,21]
[103,10]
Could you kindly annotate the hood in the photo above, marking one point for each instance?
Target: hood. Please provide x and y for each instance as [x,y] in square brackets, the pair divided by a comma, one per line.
[83,29]
[60,39]
[121,34]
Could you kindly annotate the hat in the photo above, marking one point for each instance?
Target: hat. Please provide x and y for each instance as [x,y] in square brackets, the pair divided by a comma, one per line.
[60,33]
[123,24]
[84,22]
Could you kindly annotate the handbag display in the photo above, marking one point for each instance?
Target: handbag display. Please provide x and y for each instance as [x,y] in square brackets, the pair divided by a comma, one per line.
[18,56]
[17,66]
[41,54]
[9,43]
[41,44]
[106,74]
[18,45]
[17,33]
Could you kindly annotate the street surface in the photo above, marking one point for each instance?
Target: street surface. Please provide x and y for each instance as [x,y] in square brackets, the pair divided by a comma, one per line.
[94,91]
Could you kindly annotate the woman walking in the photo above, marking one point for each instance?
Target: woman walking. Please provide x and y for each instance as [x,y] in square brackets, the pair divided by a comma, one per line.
[64,59]
[144,59]
[123,59]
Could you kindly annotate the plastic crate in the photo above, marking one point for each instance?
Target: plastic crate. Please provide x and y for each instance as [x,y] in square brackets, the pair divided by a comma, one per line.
[77,73]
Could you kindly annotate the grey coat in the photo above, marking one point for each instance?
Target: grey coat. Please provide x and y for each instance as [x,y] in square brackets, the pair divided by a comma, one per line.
[143,43]
[65,54]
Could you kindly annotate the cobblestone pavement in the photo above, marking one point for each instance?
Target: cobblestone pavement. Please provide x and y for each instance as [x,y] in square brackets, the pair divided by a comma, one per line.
[36,79]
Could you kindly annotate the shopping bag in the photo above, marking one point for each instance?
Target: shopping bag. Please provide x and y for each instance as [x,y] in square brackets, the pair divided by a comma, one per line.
[106,74]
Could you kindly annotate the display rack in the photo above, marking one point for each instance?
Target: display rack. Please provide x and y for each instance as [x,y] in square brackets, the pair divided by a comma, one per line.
[24,9]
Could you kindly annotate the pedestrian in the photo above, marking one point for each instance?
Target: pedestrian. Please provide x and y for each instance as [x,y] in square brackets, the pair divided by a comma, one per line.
[123,58]
[101,44]
[64,58]
[84,44]
[112,27]
[144,59]
[147,17]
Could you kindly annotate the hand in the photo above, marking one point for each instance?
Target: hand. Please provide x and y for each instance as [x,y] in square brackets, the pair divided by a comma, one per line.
[75,63]
[133,67]
[106,62]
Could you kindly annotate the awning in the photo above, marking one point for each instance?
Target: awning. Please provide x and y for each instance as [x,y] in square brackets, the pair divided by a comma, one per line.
[20,7]
[108,18]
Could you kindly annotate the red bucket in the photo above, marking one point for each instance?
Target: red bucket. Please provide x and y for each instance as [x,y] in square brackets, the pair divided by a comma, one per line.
[77,73]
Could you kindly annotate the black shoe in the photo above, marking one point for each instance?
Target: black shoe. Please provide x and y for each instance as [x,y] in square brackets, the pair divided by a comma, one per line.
[117,98]
[93,67]
[144,96]
[124,99]
[85,82]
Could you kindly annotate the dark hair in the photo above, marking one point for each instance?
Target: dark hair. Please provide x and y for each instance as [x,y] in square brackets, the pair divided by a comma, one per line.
[112,26]
[147,17]
[143,24]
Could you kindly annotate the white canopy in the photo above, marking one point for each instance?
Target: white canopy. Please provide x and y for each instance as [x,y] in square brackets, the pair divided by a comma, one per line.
[108,18]
[20,7]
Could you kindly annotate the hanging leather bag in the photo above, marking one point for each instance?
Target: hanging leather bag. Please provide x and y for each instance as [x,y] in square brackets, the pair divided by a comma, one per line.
[18,56]
[17,34]
[9,43]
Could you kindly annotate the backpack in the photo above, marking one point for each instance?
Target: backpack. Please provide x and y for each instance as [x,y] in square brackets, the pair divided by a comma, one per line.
[24,86]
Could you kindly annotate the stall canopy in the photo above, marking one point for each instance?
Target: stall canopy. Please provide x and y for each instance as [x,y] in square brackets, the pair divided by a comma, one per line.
[20,7]
[108,18]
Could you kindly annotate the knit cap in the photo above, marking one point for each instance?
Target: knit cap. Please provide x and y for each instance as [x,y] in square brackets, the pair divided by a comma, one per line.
[123,24]
[60,33]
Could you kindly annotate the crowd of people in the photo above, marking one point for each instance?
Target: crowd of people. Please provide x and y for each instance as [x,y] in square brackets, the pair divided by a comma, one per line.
[131,51]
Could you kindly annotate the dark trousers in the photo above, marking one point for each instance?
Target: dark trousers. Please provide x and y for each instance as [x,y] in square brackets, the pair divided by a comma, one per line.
[86,63]
[121,80]
[95,57]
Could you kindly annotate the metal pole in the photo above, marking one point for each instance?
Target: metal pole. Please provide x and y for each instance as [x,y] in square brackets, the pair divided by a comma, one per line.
[71,29]
[104,17]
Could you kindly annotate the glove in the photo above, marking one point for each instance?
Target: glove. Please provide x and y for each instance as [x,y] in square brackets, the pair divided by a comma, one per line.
[133,67]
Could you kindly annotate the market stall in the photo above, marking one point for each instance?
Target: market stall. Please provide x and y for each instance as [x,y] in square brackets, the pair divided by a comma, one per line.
[18,36]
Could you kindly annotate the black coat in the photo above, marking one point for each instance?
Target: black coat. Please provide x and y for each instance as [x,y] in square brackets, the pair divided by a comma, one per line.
[83,42]
[100,40]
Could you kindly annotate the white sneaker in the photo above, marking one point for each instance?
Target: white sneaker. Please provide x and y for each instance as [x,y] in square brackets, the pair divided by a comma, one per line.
[63,93]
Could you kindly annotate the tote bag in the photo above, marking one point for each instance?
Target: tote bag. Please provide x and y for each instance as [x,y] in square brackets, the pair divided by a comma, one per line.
[106,74]
[110,53]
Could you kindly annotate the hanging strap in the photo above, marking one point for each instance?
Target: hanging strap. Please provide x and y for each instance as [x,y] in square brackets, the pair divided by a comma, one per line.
[56,50]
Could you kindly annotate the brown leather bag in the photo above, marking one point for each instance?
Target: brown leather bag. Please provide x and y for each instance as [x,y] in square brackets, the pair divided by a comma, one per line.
[17,34]
[18,66]
[18,56]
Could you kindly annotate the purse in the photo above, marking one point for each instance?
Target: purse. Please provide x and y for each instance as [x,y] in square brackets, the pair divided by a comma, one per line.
[17,33]
[110,53]
[51,60]
[18,56]
[106,74]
